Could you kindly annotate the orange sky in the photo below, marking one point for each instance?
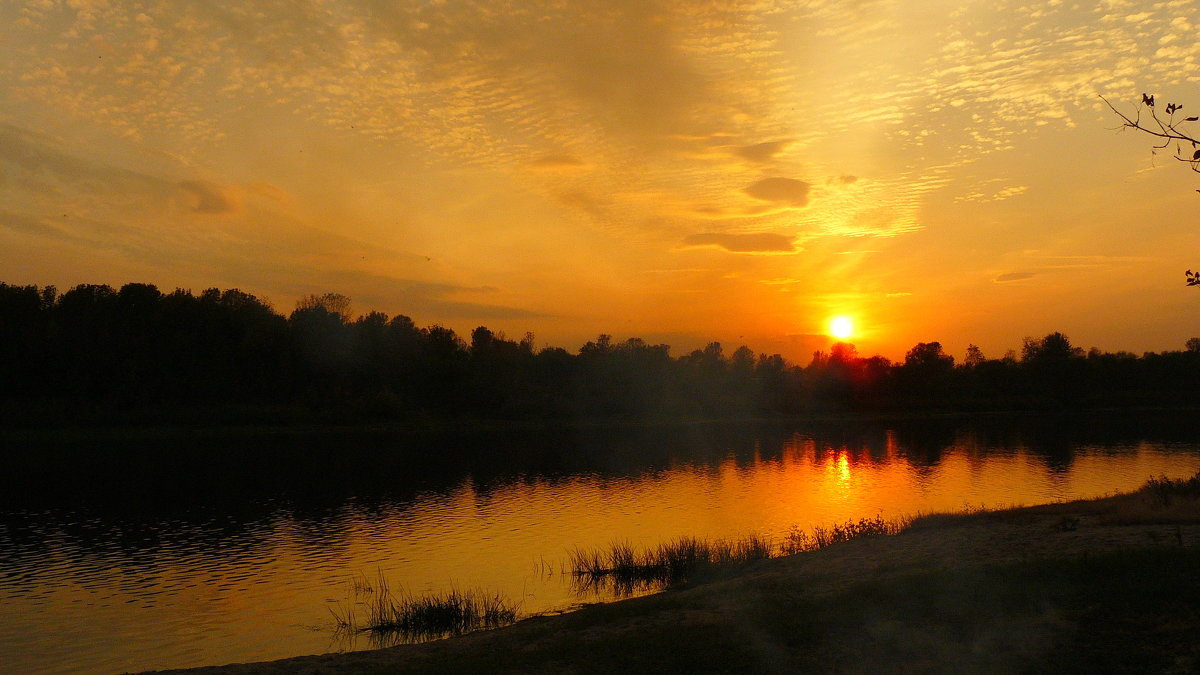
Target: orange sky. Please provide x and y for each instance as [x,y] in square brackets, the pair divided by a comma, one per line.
[679,171]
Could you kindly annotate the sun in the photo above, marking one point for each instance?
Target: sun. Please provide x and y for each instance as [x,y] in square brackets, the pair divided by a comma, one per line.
[841,327]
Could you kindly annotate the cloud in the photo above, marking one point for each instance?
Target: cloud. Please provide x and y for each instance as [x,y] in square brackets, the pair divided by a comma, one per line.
[272,192]
[621,66]
[20,222]
[477,310]
[594,207]
[552,162]
[804,343]
[210,198]
[39,158]
[105,239]
[425,300]
[780,191]
[1060,264]
[1069,261]
[1014,276]
[980,195]
[877,221]
[762,152]
[763,242]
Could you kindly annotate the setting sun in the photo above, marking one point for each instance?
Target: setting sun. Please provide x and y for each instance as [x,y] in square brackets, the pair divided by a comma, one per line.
[841,327]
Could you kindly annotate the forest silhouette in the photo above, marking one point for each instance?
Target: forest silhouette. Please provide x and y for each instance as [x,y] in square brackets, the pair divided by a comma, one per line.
[96,354]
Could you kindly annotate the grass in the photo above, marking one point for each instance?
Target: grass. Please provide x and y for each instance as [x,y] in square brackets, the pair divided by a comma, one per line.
[625,570]
[798,541]
[1124,611]
[405,618]
[1130,610]
[1168,490]
[1160,500]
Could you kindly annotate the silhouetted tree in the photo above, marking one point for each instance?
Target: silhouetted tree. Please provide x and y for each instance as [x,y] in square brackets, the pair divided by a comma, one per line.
[322,342]
[1053,347]
[23,353]
[928,356]
[925,374]
[499,373]
[443,364]
[330,303]
[1056,369]
[132,354]
[974,356]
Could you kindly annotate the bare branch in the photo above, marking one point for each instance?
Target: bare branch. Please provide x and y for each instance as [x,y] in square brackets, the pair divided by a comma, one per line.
[1170,131]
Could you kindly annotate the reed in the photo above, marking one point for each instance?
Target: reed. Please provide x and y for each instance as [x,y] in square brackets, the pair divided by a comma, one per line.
[625,570]
[1167,490]
[405,617]
[851,529]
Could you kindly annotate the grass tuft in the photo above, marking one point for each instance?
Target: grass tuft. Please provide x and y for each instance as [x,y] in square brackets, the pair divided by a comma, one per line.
[1167,490]
[864,527]
[406,618]
[624,570]
[1160,500]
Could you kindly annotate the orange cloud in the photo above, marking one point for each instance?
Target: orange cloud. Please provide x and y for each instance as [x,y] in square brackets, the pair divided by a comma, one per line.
[762,242]
[780,191]
[210,198]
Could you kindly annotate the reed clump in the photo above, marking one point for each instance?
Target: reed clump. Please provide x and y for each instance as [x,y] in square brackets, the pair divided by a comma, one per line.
[1160,500]
[405,617]
[856,529]
[625,570]
[1167,490]
[798,541]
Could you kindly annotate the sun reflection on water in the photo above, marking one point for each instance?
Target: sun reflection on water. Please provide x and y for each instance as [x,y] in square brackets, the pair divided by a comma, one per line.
[502,531]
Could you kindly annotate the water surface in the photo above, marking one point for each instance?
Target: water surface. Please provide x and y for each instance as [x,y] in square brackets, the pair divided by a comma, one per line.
[147,550]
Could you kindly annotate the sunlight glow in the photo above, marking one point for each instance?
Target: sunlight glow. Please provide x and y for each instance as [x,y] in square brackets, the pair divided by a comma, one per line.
[841,327]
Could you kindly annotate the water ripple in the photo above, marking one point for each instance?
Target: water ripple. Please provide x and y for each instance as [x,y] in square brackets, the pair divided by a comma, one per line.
[93,587]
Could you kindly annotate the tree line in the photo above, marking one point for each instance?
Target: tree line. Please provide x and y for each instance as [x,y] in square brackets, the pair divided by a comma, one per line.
[96,353]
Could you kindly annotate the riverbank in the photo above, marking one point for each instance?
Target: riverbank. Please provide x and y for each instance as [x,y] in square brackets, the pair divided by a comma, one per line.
[1094,585]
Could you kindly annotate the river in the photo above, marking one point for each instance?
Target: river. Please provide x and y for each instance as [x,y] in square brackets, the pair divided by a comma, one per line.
[127,551]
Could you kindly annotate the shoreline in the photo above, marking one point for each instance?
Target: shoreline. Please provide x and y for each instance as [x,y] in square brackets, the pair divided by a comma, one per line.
[1040,587]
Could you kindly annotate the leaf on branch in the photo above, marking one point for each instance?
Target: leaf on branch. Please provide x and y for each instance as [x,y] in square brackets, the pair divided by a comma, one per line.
[1196,155]
[1191,119]
[1148,100]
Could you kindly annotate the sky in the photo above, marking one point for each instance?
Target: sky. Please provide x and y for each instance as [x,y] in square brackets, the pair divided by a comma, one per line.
[678,171]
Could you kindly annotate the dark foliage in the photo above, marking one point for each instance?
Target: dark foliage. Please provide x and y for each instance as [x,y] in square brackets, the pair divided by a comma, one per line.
[135,355]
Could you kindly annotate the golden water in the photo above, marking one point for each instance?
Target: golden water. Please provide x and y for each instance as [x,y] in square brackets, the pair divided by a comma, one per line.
[88,588]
